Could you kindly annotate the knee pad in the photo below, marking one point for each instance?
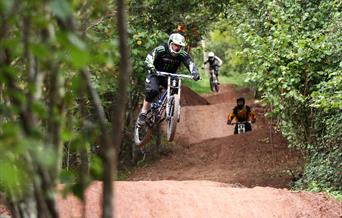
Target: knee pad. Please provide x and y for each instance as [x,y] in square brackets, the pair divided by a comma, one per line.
[151,94]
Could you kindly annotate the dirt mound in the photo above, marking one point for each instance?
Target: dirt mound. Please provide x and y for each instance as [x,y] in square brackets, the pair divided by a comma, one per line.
[206,149]
[202,122]
[4,212]
[201,199]
[210,121]
[191,98]
[229,93]
[250,160]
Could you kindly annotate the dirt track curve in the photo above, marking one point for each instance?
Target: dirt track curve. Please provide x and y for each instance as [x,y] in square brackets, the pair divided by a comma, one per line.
[212,173]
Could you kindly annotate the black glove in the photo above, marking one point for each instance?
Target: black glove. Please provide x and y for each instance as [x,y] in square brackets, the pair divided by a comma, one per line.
[153,71]
[195,76]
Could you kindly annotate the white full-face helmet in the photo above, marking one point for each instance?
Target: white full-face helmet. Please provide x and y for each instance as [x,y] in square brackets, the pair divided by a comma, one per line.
[211,54]
[176,39]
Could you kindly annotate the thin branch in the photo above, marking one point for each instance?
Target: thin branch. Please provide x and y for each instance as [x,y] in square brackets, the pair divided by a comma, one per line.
[99,21]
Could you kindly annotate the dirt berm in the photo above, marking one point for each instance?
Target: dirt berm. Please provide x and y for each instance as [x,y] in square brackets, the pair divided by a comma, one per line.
[213,173]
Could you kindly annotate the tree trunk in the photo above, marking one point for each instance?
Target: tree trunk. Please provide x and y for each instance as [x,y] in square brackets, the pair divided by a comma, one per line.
[118,109]
[107,153]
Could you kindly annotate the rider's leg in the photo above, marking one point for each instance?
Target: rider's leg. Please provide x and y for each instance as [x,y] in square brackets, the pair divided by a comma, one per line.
[248,127]
[236,129]
[151,91]
[146,106]
[216,73]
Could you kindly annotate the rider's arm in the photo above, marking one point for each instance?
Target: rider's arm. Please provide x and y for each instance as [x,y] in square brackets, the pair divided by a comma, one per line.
[188,62]
[230,117]
[219,60]
[253,116]
[149,61]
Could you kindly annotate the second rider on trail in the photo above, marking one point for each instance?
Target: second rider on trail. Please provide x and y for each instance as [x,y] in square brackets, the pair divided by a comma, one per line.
[167,58]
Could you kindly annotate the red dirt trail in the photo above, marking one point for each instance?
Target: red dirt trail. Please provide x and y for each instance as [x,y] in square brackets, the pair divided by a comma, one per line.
[209,169]
[212,173]
[202,199]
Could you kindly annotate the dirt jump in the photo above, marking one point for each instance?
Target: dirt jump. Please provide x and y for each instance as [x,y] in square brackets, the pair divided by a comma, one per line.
[210,172]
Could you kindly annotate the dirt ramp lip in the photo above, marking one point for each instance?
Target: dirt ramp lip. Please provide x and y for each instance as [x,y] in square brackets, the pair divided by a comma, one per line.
[191,98]
[202,199]
[229,93]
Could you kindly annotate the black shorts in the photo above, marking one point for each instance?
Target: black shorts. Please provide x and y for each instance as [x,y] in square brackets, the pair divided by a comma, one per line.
[215,68]
[152,85]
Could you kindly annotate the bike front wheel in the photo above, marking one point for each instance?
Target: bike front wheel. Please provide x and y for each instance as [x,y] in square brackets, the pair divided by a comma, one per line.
[142,135]
[216,87]
[172,117]
[213,84]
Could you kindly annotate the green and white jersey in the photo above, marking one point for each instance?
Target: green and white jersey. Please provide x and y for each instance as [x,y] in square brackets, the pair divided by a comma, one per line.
[161,59]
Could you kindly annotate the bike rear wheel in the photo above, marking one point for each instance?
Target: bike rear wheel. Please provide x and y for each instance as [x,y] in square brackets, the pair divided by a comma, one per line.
[172,117]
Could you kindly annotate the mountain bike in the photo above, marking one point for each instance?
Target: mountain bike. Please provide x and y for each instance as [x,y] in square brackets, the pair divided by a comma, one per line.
[165,107]
[214,86]
[241,126]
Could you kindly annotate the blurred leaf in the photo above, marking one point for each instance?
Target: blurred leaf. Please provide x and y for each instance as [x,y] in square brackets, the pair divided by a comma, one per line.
[40,50]
[67,177]
[6,5]
[79,58]
[60,8]
[76,41]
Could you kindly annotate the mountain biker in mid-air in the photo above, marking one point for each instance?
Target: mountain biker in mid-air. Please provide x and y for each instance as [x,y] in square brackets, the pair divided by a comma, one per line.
[167,58]
[214,63]
[241,113]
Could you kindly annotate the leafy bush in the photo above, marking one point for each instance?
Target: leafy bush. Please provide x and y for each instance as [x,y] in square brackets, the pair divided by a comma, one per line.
[294,55]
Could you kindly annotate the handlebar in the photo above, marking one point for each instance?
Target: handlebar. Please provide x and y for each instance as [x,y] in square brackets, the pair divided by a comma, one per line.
[241,122]
[160,73]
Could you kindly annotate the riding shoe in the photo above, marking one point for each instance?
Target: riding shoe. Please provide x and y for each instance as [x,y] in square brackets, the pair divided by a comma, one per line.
[141,119]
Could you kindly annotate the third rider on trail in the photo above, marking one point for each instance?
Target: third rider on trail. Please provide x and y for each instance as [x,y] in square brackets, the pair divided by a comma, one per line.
[214,63]
[167,58]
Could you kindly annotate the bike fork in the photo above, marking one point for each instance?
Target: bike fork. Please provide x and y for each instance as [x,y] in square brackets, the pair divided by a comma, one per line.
[168,98]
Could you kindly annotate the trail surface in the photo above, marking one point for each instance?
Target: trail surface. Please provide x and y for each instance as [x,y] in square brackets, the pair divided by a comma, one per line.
[202,199]
[207,149]
[212,173]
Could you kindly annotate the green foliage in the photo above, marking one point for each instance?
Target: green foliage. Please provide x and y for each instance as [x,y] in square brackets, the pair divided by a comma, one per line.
[224,43]
[294,53]
[42,90]
[165,16]
[142,42]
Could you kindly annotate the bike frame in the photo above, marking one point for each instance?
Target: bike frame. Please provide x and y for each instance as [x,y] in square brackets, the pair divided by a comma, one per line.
[241,126]
[166,107]
[160,104]
[213,75]
[173,82]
